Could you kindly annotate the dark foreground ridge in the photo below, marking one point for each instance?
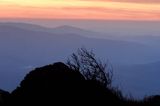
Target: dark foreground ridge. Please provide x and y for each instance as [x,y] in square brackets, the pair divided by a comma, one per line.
[57,84]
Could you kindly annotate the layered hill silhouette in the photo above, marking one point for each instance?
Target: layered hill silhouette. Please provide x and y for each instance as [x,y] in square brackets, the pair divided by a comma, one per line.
[26,46]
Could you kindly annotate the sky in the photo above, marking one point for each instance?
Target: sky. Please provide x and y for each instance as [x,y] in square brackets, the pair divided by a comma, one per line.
[81,9]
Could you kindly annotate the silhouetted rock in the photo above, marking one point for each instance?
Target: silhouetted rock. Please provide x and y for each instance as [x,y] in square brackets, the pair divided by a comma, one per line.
[152,100]
[57,83]
[4,97]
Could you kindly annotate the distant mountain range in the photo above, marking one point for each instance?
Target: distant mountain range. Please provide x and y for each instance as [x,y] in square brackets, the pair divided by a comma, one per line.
[65,29]
[25,46]
[28,37]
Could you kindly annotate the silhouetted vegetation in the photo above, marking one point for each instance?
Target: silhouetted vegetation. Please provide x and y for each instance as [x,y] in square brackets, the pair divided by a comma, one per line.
[91,68]
[85,80]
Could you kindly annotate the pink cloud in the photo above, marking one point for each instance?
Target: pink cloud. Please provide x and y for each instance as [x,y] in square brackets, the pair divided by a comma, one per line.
[132,1]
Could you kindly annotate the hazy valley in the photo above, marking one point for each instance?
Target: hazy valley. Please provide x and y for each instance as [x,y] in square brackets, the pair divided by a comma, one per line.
[23,47]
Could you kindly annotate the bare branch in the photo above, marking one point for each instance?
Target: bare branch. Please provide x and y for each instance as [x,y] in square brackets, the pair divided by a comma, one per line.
[92,68]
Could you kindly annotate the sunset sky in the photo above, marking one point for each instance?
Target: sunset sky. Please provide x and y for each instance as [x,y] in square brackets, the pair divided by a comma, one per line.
[81,9]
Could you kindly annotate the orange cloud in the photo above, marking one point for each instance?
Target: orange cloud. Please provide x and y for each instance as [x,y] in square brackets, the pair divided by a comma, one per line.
[132,1]
[80,9]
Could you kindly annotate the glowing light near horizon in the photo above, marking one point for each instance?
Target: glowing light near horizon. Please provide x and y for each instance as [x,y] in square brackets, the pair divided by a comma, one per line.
[78,9]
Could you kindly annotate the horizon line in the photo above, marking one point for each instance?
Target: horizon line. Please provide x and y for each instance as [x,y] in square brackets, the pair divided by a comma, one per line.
[74,19]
